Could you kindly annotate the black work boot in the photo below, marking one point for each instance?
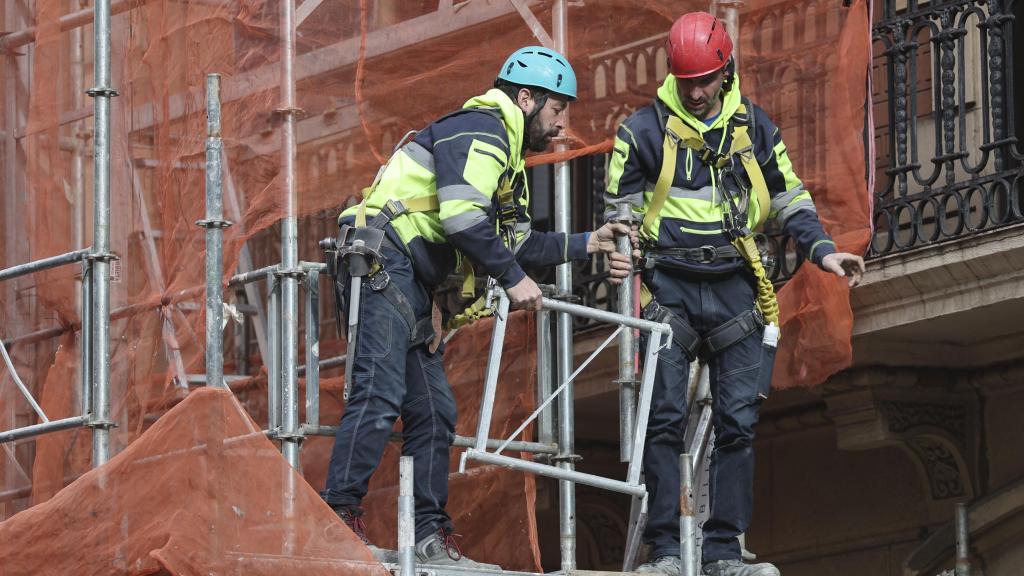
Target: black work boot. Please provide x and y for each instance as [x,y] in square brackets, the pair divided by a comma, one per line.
[667,565]
[738,568]
[440,549]
[352,517]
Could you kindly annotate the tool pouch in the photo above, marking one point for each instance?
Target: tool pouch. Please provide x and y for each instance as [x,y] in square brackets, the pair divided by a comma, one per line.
[769,345]
[359,248]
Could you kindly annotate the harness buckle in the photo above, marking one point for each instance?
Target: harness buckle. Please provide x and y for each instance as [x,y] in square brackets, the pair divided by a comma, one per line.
[709,157]
[380,280]
[507,214]
[676,139]
[708,254]
[758,316]
[393,209]
[732,227]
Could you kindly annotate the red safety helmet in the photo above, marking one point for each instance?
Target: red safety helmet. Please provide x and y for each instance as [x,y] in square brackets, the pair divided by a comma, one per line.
[697,45]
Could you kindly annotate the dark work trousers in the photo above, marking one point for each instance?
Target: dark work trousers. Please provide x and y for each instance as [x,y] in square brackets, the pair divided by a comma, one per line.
[705,304]
[392,379]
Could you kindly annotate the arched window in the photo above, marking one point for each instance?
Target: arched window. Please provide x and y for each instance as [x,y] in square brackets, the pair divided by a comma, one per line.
[789,31]
[600,83]
[660,64]
[620,76]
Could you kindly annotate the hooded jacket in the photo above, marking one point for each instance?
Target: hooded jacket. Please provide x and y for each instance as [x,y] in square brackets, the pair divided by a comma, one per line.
[692,215]
[465,159]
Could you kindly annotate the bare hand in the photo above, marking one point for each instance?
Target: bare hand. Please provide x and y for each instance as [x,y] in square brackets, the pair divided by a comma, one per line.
[845,264]
[525,295]
[619,268]
[603,239]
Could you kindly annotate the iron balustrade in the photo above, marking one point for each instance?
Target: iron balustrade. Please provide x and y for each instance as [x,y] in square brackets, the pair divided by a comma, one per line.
[971,178]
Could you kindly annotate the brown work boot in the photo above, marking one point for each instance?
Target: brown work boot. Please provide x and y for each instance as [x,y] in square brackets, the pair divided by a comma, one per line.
[352,517]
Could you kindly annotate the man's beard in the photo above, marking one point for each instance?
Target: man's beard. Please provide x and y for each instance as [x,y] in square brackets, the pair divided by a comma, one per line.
[539,139]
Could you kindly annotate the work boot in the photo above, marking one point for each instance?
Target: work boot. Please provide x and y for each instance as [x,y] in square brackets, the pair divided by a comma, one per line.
[440,549]
[670,565]
[738,568]
[352,517]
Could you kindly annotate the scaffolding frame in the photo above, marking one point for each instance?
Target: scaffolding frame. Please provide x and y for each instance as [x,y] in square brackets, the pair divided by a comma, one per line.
[95,292]
[278,332]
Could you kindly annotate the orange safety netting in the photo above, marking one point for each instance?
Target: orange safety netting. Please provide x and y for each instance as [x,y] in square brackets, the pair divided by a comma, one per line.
[204,491]
[366,73]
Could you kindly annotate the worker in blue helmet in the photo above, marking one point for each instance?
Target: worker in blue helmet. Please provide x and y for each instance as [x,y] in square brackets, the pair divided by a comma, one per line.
[452,197]
[545,75]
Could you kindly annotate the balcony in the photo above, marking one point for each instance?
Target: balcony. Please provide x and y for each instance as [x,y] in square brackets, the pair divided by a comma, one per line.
[944,277]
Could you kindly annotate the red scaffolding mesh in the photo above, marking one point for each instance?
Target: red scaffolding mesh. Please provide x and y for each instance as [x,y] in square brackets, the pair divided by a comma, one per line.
[366,73]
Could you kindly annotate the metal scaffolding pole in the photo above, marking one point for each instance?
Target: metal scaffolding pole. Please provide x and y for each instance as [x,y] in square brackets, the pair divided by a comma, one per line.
[101,94]
[289,243]
[546,422]
[214,224]
[45,425]
[17,317]
[687,518]
[313,348]
[563,331]
[963,545]
[491,374]
[78,193]
[406,518]
[43,264]
[85,340]
[72,21]
[627,368]
[729,12]
[274,343]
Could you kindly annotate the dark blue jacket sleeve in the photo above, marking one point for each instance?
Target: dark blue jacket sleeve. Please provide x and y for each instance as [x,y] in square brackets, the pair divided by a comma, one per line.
[791,203]
[470,159]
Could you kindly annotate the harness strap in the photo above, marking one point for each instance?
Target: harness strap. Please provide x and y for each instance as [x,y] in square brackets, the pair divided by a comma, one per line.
[675,130]
[730,332]
[420,330]
[682,333]
[744,148]
[678,132]
[699,255]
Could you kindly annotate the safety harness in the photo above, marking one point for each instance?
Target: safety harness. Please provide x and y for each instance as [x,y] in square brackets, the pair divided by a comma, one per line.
[734,223]
[357,248]
[482,306]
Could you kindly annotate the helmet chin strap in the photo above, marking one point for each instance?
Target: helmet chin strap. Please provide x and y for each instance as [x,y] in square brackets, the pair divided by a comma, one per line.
[730,71]
[539,102]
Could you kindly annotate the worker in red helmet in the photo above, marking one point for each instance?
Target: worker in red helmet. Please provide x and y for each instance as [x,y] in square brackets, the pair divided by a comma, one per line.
[701,168]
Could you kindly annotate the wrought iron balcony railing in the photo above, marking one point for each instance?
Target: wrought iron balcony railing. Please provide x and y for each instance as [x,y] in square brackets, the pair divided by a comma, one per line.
[949,162]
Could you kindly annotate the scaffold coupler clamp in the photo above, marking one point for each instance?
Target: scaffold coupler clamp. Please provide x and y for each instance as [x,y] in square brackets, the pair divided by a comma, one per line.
[553,292]
[492,295]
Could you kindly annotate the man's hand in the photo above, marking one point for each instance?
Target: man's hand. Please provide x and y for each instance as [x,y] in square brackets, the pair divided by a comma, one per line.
[603,240]
[525,295]
[844,264]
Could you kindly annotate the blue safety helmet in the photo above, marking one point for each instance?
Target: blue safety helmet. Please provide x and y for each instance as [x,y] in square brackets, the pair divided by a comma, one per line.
[541,68]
